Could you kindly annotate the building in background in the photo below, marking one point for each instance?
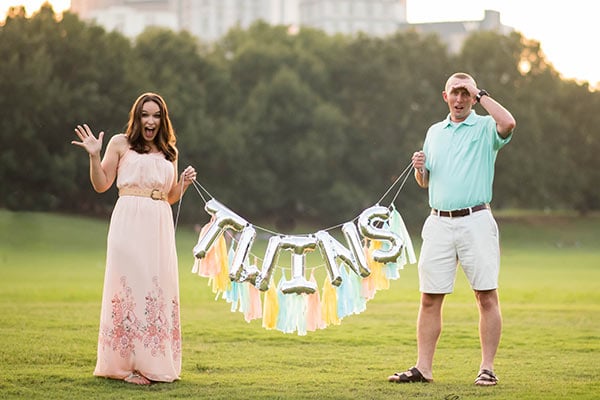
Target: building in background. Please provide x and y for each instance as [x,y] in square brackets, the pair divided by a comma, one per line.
[130,17]
[454,33]
[206,19]
[211,19]
[373,17]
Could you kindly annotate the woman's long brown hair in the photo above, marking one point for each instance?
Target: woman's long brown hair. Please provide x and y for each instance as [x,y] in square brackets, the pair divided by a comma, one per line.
[165,139]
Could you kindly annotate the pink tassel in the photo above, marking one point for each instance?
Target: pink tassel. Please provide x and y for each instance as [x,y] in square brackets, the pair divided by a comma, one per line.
[368,287]
[367,284]
[207,265]
[314,320]
[254,309]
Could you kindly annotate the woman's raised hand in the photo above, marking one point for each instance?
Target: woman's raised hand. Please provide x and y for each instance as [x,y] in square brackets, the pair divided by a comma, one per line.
[89,142]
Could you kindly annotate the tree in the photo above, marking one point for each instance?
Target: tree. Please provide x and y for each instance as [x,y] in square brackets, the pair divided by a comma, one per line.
[282,125]
[62,72]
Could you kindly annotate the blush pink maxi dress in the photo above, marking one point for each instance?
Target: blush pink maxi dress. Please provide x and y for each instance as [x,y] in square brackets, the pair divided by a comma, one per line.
[139,321]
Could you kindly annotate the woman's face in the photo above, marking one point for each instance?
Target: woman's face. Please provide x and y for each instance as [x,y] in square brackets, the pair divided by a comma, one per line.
[150,120]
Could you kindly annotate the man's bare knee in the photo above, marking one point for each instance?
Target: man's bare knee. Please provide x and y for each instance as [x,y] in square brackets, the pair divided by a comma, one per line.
[431,301]
[487,299]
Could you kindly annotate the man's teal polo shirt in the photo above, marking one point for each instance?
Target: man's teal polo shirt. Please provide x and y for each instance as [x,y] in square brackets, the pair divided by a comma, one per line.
[460,158]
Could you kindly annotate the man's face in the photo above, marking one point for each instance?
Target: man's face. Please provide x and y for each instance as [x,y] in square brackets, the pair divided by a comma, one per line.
[459,99]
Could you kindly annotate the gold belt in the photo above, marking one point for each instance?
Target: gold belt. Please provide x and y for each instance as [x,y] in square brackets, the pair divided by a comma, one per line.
[154,194]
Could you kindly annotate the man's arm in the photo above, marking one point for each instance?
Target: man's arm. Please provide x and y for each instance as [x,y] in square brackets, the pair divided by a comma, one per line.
[505,122]
[421,173]
[422,177]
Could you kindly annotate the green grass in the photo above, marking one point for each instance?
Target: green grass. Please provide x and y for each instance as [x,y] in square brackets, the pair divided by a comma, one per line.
[51,272]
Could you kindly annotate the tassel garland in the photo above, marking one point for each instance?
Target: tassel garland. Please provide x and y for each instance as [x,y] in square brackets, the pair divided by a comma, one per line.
[304,313]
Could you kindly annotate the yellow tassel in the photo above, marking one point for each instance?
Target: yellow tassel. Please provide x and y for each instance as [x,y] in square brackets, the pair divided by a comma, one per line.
[221,281]
[377,280]
[270,308]
[329,304]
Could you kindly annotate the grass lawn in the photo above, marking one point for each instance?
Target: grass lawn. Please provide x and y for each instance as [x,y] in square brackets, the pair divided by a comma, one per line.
[52,270]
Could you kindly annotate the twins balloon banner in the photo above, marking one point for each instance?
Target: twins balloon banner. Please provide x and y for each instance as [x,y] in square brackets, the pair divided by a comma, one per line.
[377,245]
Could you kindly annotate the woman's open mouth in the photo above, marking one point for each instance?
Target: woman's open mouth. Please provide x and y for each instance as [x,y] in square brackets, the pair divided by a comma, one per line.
[149,133]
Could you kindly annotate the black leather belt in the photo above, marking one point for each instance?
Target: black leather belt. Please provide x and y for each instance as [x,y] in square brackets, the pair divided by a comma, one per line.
[459,213]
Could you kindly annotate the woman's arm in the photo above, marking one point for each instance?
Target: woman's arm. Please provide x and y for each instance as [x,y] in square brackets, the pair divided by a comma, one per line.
[103,171]
[180,185]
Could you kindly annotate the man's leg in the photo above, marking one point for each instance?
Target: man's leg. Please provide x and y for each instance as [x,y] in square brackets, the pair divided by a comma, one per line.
[429,328]
[437,271]
[490,326]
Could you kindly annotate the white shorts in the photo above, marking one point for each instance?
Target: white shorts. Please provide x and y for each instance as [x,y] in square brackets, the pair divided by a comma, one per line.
[471,241]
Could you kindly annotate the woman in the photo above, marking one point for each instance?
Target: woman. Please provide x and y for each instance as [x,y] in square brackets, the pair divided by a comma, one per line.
[140,335]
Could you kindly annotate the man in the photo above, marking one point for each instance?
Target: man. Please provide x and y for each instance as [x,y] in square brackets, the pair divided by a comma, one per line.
[457,167]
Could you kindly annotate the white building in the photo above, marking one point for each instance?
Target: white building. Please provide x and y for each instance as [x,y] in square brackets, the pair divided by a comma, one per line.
[130,17]
[206,19]
[373,17]
[454,33]
[211,19]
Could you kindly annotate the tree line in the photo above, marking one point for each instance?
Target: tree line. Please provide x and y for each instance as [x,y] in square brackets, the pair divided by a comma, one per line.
[283,126]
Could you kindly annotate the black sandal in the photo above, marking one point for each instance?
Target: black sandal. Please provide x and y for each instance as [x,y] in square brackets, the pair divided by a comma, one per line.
[410,376]
[486,378]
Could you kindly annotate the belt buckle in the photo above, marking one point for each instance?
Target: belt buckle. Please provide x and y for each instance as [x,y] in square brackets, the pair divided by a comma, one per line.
[156,194]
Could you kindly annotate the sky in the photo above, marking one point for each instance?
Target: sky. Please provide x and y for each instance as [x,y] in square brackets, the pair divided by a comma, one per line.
[567,30]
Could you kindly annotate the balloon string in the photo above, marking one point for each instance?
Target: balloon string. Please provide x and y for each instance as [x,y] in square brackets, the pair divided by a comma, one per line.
[406,173]
[401,186]
[409,167]
[179,206]
[269,231]
[403,176]
[198,186]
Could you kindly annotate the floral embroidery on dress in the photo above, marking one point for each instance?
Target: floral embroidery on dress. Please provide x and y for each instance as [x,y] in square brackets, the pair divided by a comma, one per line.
[175,330]
[156,332]
[126,326]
